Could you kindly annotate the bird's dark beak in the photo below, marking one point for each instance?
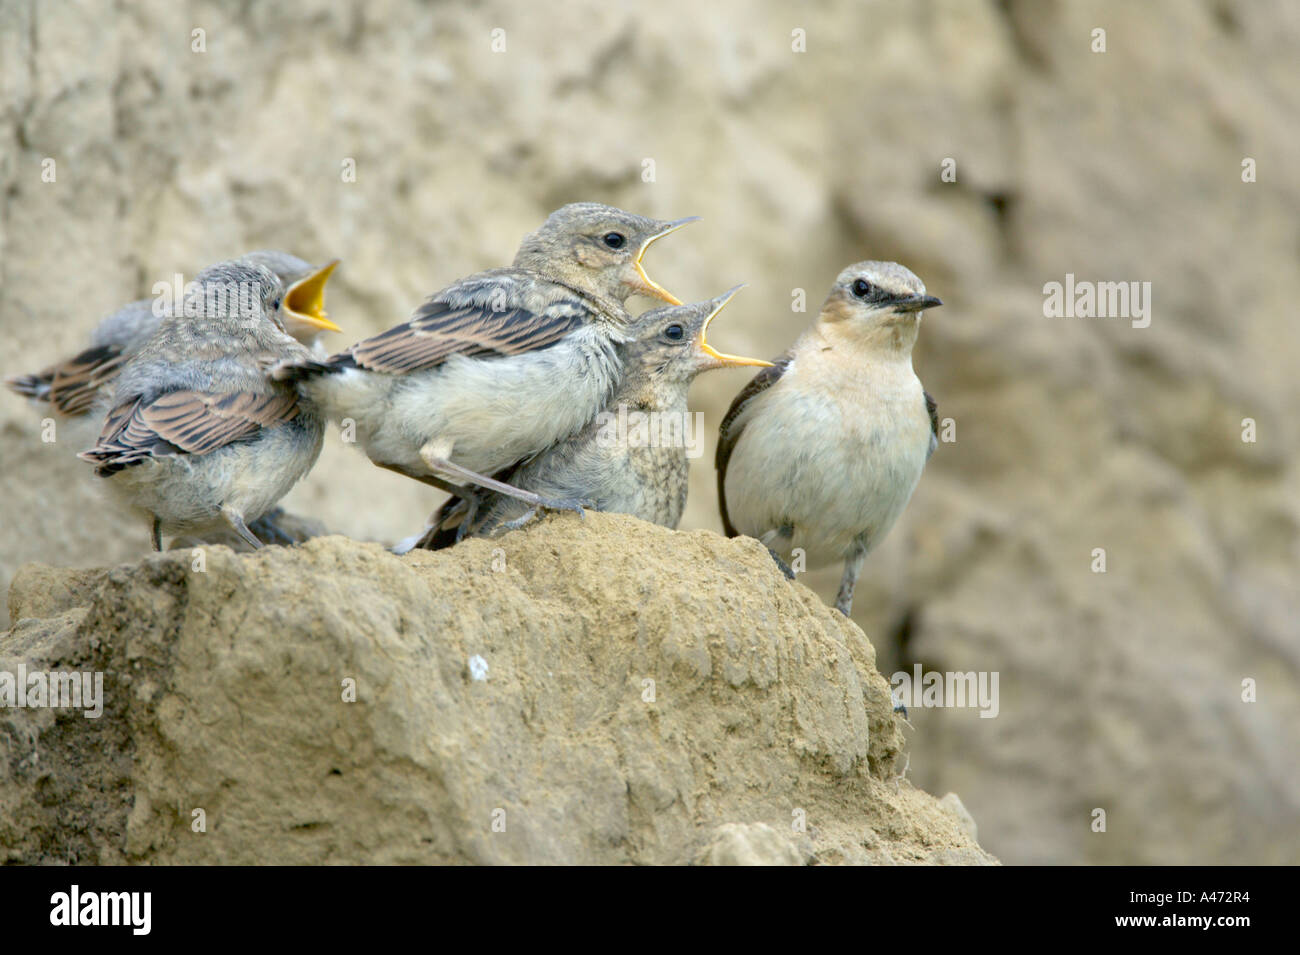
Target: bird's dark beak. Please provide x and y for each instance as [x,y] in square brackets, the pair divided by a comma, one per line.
[916,303]
[642,283]
[721,360]
[304,303]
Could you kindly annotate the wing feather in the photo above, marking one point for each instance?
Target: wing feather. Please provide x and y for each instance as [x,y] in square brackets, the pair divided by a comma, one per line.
[186,422]
[932,408]
[439,330]
[72,387]
[729,432]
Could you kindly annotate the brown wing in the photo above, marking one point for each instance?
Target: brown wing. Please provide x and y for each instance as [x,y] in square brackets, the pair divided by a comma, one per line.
[729,432]
[185,422]
[439,330]
[73,386]
[933,408]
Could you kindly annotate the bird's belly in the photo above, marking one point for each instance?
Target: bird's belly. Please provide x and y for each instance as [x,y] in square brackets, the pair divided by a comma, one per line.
[830,482]
[187,492]
[486,414]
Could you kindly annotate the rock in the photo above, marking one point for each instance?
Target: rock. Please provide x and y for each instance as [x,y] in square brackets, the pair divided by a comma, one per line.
[594,691]
[952,802]
[750,844]
[1121,690]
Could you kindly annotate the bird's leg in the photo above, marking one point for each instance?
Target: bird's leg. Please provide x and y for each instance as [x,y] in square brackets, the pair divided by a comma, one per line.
[767,539]
[156,533]
[471,512]
[785,568]
[436,463]
[268,530]
[236,521]
[453,489]
[520,521]
[852,567]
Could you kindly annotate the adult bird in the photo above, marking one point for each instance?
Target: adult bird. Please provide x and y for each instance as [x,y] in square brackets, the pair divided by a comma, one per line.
[822,451]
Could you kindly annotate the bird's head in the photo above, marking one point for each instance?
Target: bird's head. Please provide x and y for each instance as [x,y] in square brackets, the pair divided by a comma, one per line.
[303,310]
[876,303]
[597,248]
[670,343]
[238,291]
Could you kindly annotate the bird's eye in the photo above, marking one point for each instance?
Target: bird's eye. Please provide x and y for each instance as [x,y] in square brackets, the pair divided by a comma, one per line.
[615,240]
[861,288]
[276,304]
[674,333]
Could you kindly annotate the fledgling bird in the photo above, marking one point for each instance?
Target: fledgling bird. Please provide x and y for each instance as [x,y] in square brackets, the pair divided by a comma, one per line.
[500,365]
[198,435]
[630,459]
[71,388]
[823,450]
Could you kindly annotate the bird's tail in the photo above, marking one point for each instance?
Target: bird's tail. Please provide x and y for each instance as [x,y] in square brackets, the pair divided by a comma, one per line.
[302,369]
[36,386]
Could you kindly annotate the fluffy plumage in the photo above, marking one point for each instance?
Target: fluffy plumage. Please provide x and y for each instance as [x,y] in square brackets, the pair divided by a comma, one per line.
[74,386]
[499,365]
[822,451]
[646,475]
[197,434]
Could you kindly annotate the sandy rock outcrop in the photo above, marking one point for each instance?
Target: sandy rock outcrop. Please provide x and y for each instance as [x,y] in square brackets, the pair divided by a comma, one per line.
[1122,691]
[602,691]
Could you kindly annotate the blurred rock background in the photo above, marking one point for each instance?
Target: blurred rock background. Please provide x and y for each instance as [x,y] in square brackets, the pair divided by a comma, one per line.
[1121,690]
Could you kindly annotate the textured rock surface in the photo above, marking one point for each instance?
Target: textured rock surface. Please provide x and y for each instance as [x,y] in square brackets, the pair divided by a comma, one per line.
[1119,691]
[604,692]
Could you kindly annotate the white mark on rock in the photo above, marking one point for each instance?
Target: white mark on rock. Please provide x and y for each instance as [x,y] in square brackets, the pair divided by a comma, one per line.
[478,668]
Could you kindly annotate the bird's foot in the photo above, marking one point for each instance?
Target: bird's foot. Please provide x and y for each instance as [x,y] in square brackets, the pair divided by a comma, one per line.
[785,568]
[267,529]
[520,521]
[573,504]
[471,507]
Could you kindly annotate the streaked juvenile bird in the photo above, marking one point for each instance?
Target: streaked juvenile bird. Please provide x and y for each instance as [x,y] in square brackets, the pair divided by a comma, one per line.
[72,387]
[823,450]
[500,365]
[632,458]
[198,436]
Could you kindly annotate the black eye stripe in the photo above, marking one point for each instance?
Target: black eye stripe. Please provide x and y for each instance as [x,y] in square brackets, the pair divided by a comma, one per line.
[874,294]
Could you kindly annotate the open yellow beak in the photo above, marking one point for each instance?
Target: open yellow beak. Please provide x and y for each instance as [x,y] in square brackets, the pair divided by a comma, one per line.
[647,285]
[304,303]
[721,359]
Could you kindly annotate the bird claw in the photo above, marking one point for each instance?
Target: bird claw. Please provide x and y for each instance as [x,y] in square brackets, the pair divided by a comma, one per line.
[785,568]
[520,521]
[566,504]
[268,530]
[575,505]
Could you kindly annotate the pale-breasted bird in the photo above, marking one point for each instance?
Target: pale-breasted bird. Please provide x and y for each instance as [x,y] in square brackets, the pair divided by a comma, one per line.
[500,365]
[198,435]
[630,459]
[823,451]
[71,388]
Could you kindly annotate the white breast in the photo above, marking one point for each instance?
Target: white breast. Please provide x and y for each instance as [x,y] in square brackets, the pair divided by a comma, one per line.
[488,413]
[832,460]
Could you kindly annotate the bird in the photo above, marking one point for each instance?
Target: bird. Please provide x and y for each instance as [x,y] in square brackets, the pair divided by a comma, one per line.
[632,458]
[499,365]
[822,451]
[71,388]
[198,436]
